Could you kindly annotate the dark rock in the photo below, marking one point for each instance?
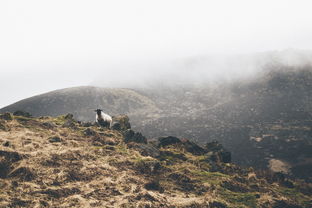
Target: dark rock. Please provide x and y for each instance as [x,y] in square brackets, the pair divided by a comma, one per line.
[6,116]
[87,124]
[123,121]
[145,149]
[103,123]
[2,126]
[213,146]
[216,204]
[148,166]
[288,184]
[235,186]
[285,204]
[225,156]
[69,124]
[55,139]
[59,193]
[154,185]
[22,113]
[23,173]
[131,136]
[168,140]
[6,160]
[19,203]
[192,147]
[6,144]
[89,132]
[181,178]
[69,116]
[279,177]
[116,126]
[48,125]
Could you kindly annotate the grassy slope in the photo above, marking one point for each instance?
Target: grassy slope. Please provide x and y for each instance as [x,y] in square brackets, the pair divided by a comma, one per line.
[102,171]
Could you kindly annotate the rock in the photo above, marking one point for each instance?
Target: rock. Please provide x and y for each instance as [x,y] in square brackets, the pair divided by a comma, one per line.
[116,126]
[86,124]
[6,116]
[168,140]
[2,126]
[154,185]
[221,156]
[22,173]
[22,113]
[89,132]
[192,147]
[49,125]
[235,186]
[55,139]
[181,178]
[69,116]
[131,136]
[148,166]
[123,121]
[284,204]
[213,146]
[6,160]
[6,144]
[216,204]
[225,157]
[69,124]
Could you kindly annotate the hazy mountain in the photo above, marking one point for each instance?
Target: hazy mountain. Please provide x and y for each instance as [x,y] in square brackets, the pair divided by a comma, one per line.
[261,120]
[81,101]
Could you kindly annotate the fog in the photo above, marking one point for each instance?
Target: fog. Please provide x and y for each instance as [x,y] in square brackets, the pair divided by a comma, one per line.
[48,45]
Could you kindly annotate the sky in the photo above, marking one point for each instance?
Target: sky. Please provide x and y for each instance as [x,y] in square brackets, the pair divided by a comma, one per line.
[48,45]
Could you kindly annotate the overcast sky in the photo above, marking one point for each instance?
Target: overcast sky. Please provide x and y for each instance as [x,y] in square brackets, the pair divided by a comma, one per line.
[47,45]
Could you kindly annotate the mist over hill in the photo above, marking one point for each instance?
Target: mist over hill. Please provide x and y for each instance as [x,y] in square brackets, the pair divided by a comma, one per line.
[264,118]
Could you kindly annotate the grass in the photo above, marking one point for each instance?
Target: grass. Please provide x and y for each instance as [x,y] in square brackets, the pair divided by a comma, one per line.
[294,194]
[239,199]
[214,178]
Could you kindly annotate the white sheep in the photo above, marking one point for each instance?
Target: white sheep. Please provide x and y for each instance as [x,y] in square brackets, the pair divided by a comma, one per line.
[103,119]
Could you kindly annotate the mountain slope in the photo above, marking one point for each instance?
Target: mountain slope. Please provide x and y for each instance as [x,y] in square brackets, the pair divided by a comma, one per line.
[261,120]
[81,101]
[59,162]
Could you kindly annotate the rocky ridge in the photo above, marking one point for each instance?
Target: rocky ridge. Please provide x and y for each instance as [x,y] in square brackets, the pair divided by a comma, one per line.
[61,162]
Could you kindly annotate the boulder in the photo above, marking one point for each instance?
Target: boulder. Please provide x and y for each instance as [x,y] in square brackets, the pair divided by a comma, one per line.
[89,132]
[55,139]
[168,140]
[6,116]
[121,122]
[192,147]
[22,113]
[131,136]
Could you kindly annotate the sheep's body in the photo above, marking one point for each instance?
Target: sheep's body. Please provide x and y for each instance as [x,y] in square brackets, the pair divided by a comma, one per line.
[103,119]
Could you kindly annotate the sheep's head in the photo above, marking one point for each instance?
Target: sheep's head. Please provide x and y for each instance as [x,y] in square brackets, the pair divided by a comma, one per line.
[98,111]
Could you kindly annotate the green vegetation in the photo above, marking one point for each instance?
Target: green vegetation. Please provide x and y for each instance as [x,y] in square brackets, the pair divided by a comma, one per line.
[239,199]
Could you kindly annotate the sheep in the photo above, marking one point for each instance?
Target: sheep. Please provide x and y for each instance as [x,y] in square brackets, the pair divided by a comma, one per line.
[103,119]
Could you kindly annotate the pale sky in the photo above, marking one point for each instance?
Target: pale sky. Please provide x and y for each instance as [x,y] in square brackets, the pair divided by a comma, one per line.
[47,45]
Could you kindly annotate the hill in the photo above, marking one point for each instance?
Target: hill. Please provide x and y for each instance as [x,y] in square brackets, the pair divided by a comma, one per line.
[59,162]
[263,121]
[81,101]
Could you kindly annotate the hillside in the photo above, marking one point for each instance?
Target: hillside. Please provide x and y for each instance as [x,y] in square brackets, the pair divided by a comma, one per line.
[59,162]
[81,101]
[262,121]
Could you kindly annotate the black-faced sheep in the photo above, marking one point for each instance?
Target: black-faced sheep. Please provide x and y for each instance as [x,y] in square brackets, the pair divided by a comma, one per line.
[103,119]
